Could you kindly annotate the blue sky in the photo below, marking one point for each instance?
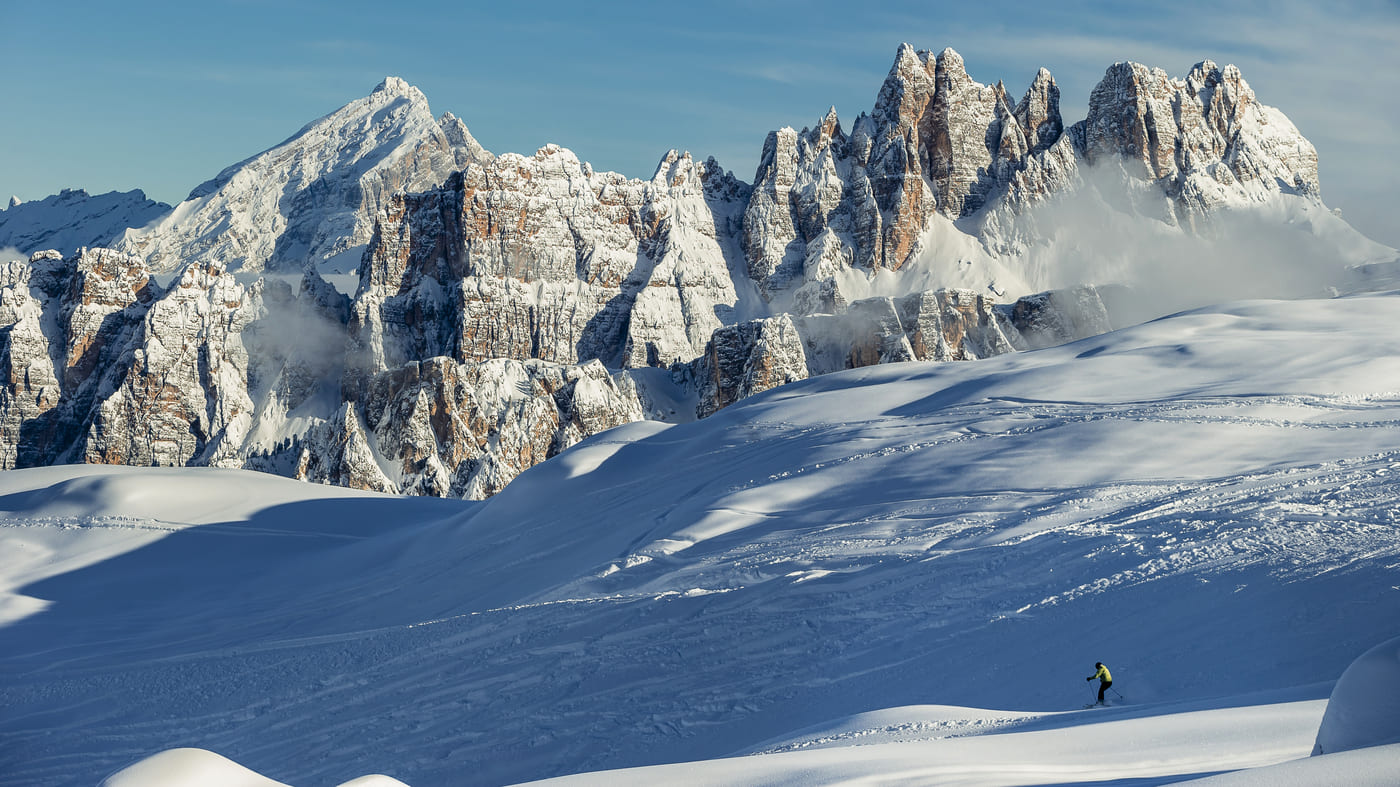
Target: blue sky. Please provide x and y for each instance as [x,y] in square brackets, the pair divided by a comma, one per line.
[162,95]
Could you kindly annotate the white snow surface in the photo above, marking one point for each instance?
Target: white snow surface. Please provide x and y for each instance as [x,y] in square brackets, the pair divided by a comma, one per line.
[1364,709]
[188,766]
[821,584]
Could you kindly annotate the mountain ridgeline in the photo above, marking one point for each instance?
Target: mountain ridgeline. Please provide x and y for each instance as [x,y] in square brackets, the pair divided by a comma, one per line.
[509,306]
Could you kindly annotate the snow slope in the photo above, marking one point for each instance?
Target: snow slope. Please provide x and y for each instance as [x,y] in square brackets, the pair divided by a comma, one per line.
[1206,503]
[1168,744]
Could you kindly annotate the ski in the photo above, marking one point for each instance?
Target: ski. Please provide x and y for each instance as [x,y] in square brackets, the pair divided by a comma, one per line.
[1120,701]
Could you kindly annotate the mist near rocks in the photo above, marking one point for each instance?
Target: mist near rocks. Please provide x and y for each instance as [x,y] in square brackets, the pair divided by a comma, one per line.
[298,344]
[1116,231]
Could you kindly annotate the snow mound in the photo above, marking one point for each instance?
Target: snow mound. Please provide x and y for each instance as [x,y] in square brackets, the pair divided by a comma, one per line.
[179,767]
[1363,711]
[1378,766]
[185,767]
[374,780]
[1141,746]
[172,495]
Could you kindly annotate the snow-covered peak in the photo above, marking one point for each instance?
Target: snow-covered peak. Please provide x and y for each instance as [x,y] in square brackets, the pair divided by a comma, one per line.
[316,195]
[396,86]
[951,60]
[15,201]
[907,57]
[1205,138]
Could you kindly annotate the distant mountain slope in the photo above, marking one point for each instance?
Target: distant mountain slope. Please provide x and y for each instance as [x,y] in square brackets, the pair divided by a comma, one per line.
[72,219]
[1206,503]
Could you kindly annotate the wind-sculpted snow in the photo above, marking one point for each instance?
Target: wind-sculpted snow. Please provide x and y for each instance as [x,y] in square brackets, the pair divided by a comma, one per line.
[1205,503]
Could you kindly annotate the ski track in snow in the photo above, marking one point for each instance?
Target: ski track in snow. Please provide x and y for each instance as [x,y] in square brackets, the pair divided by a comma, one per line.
[905,732]
[793,572]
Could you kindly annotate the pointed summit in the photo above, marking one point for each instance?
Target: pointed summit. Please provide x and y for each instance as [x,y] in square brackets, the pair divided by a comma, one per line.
[951,60]
[395,86]
[1038,114]
[461,138]
[906,92]
[828,128]
[293,205]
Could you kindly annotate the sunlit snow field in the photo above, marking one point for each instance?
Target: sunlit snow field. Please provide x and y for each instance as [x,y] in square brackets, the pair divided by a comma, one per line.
[822,584]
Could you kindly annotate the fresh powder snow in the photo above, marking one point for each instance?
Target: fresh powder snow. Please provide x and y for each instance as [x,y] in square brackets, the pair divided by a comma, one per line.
[896,574]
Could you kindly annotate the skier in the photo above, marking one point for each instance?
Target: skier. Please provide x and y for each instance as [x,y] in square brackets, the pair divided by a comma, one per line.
[1105,679]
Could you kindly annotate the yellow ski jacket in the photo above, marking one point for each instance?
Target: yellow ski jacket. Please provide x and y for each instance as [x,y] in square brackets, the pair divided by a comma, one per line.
[1102,675]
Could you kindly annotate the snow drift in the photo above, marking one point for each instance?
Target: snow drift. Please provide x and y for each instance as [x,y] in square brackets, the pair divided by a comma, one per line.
[1363,711]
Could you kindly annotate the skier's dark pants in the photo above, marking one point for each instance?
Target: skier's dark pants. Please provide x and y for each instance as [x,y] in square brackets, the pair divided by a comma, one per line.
[1103,686]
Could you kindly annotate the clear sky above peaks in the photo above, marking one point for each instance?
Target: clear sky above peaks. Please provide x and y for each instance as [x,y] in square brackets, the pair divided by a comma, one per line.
[163,95]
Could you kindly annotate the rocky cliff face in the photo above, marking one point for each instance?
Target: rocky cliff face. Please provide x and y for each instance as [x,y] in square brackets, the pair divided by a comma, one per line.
[1203,139]
[939,325]
[509,306]
[543,258]
[32,365]
[937,142]
[746,359]
[101,364]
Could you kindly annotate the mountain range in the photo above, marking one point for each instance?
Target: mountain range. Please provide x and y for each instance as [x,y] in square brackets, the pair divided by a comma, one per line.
[855,469]
[504,307]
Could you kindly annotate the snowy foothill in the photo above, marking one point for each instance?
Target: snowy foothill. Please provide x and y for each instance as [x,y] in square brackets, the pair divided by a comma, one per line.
[825,583]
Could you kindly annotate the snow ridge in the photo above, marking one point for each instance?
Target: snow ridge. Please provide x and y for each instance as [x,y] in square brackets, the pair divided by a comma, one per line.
[72,219]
